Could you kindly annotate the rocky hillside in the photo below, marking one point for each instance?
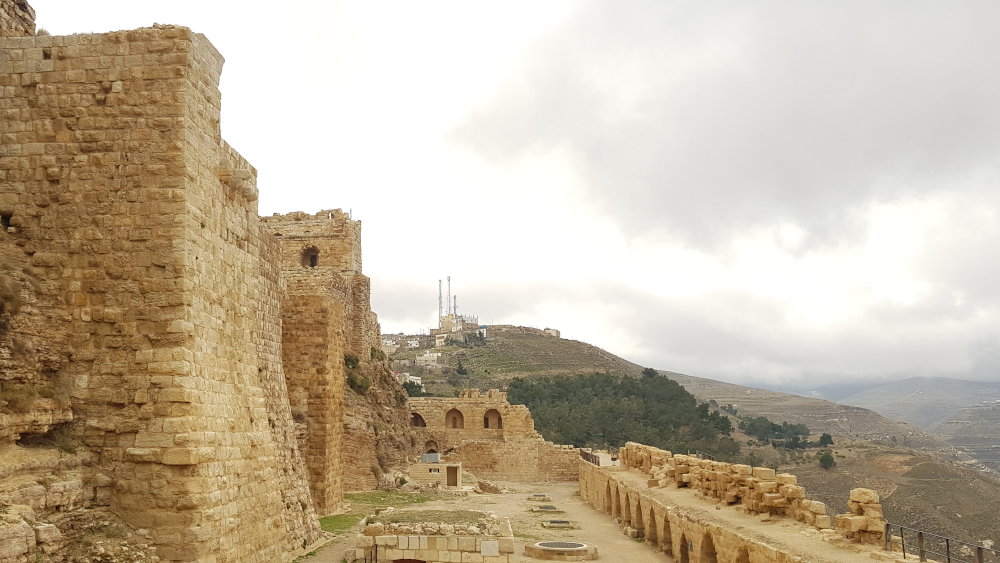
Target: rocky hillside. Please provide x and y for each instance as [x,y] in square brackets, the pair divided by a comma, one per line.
[923,401]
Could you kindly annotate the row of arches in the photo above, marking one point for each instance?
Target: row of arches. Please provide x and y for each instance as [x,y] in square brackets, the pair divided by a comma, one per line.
[455,419]
[653,524]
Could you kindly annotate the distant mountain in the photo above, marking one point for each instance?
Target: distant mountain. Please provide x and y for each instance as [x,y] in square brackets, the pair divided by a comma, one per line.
[924,401]
[818,414]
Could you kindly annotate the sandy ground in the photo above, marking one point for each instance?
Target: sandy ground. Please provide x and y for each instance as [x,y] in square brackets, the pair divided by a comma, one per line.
[594,527]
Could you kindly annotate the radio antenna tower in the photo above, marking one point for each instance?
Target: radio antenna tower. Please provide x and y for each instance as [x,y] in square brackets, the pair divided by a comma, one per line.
[440,305]
[449,295]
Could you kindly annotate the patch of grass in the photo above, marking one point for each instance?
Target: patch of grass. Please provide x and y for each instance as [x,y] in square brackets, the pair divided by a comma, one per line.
[383,499]
[446,516]
[339,523]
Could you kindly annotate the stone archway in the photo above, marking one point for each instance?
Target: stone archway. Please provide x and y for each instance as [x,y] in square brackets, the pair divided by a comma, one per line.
[683,550]
[454,419]
[638,521]
[626,510]
[417,421]
[492,420]
[743,556]
[664,532]
[609,503]
[650,532]
[706,551]
[431,447]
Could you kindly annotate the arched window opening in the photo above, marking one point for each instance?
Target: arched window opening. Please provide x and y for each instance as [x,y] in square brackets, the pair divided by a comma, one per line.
[684,552]
[454,419]
[310,257]
[431,447]
[417,420]
[492,419]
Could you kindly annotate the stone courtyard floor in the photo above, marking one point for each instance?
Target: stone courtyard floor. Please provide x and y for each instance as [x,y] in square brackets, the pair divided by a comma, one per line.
[595,528]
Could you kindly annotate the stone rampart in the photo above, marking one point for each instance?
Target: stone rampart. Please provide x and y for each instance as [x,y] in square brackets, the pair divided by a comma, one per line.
[660,497]
[141,224]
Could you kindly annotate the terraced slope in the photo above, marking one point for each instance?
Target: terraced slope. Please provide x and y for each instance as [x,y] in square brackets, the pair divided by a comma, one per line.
[519,351]
[819,415]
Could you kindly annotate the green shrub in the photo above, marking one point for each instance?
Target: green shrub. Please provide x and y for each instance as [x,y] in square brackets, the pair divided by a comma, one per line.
[351,361]
[358,382]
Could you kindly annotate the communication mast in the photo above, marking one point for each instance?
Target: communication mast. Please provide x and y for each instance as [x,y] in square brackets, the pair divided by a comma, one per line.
[449,295]
[440,305]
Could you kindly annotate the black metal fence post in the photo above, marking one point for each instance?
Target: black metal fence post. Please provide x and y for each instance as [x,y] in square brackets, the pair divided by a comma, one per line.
[920,546]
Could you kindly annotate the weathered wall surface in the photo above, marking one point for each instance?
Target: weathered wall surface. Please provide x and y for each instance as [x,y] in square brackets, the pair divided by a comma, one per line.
[491,437]
[634,494]
[17,18]
[141,224]
[352,433]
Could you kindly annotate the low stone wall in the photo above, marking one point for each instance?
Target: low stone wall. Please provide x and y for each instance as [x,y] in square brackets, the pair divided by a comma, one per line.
[756,490]
[434,543]
[523,461]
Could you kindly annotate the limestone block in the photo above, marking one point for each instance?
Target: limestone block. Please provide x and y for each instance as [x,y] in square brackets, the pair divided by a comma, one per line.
[466,543]
[364,541]
[872,510]
[794,491]
[864,496]
[822,521]
[506,545]
[767,487]
[851,522]
[489,548]
[763,473]
[874,525]
[817,507]
[786,479]
[388,541]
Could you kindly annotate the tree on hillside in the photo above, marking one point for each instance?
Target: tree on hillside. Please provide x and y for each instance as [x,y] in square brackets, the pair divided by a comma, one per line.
[601,410]
[649,372]
[826,460]
[825,440]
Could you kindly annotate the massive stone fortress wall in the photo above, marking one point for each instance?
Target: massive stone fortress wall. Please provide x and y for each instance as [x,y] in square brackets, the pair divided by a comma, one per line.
[491,437]
[143,224]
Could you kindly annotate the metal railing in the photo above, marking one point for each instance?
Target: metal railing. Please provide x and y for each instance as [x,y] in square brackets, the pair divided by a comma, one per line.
[922,544]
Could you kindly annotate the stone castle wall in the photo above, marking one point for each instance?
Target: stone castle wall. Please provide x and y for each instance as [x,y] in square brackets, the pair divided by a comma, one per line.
[491,437]
[141,225]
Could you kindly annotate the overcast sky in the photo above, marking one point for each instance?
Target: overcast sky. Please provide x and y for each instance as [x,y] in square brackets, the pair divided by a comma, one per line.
[757,192]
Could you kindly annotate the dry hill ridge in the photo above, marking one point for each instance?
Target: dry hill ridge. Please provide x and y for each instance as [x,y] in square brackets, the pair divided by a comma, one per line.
[512,351]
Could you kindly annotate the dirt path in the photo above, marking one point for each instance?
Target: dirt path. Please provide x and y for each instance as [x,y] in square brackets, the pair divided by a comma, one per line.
[594,527]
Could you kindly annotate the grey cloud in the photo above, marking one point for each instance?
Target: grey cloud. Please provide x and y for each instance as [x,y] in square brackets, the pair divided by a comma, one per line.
[704,119]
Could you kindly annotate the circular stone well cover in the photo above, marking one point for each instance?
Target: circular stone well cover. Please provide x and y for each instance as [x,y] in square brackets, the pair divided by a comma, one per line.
[561,545]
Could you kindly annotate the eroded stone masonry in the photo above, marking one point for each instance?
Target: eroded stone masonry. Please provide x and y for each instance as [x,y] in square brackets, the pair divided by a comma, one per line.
[491,437]
[141,344]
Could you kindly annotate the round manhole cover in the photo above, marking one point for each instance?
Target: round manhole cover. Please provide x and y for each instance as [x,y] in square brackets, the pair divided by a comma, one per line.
[561,545]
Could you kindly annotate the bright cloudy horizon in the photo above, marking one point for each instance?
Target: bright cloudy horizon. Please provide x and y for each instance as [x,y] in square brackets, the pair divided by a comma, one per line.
[768,193]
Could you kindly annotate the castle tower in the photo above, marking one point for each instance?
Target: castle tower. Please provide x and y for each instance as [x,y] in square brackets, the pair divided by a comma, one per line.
[327,327]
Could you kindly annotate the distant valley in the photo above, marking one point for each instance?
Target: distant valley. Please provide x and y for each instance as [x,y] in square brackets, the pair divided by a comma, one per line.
[966,414]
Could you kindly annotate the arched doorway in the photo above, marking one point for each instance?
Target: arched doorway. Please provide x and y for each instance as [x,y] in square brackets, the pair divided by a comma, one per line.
[492,419]
[609,502]
[626,510]
[707,552]
[417,420]
[431,447]
[650,532]
[637,522]
[743,556]
[454,419]
[683,552]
